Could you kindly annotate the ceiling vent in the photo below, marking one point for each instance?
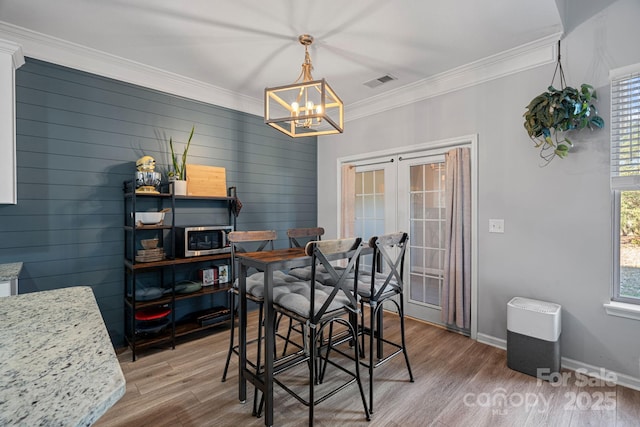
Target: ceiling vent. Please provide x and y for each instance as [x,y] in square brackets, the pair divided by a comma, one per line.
[380,81]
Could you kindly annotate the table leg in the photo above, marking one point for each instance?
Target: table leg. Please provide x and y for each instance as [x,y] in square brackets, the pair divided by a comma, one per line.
[379,332]
[269,350]
[242,333]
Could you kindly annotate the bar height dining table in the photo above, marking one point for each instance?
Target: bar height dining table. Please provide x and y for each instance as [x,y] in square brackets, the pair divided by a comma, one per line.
[268,262]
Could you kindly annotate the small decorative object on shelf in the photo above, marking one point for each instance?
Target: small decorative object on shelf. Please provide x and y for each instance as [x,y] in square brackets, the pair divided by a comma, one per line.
[208,276]
[223,274]
[148,218]
[553,113]
[147,181]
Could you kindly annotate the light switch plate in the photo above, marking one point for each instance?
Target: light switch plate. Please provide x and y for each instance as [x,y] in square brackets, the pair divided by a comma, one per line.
[496,226]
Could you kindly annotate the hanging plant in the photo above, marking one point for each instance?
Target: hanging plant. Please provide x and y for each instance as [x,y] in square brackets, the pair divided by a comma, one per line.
[554,113]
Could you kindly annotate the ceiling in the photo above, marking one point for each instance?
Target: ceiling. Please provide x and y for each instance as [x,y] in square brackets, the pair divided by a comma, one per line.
[243,46]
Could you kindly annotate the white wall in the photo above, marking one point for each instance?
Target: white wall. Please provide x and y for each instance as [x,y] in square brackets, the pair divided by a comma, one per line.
[557,241]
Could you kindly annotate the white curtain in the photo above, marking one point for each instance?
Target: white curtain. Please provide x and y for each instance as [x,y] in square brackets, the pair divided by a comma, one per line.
[456,290]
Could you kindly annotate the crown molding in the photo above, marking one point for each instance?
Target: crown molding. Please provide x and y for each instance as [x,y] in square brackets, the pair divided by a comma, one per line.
[521,58]
[51,49]
[15,50]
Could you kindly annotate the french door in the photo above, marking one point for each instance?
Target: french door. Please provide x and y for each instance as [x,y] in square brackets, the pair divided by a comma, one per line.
[404,190]
[407,194]
[421,211]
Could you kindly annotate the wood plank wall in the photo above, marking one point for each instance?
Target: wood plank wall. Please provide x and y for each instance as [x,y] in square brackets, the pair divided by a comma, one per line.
[78,137]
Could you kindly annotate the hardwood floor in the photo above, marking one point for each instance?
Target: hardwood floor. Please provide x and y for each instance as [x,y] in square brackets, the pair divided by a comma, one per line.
[458,382]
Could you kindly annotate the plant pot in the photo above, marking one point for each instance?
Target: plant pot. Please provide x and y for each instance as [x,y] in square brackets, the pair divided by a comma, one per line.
[179,187]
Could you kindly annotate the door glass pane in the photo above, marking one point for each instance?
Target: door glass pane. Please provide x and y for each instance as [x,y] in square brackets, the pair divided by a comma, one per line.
[432,261]
[417,288]
[378,206]
[359,184]
[432,175]
[416,178]
[432,234]
[416,233]
[417,260]
[432,199]
[369,230]
[359,208]
[358,228]
[416,204]
[368,183]
[379,181]
[432,291]
[368,210]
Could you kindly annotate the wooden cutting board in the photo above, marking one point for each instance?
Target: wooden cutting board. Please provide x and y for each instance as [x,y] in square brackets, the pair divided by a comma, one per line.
[206,181]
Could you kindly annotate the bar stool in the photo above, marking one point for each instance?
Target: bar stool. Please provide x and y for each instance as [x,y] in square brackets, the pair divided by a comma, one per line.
[316,306]
[383,288]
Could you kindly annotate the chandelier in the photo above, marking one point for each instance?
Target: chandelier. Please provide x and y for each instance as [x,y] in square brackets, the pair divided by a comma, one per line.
[305,108]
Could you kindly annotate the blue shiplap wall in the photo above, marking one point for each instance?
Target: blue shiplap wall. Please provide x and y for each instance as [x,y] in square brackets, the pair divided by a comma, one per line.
[78,136]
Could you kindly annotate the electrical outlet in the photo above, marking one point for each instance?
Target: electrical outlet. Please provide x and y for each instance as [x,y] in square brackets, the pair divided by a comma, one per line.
[496,226]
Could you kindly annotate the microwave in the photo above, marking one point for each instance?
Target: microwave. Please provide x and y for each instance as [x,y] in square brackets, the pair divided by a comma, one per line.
[202,240]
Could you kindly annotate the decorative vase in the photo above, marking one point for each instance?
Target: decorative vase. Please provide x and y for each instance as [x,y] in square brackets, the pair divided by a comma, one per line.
[179,187]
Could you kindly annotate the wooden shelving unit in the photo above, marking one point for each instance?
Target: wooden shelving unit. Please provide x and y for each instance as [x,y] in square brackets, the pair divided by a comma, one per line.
[165,271]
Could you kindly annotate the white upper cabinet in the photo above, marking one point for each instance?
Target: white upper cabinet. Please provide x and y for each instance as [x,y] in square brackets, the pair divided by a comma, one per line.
[11,59]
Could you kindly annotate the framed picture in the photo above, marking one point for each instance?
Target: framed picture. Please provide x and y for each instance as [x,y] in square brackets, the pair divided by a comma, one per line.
[208,276]
[223,273]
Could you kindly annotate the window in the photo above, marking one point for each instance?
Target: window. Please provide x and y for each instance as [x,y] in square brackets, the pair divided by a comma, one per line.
[625,181]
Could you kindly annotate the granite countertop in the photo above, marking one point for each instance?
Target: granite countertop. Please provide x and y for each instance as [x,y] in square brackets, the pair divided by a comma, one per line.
[58,366]
[10,271]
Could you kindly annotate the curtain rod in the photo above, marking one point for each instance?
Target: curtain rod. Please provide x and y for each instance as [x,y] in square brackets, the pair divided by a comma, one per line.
[371,164]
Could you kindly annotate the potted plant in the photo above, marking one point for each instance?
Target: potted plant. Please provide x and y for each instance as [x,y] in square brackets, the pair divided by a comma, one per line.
[179,172]
[553,113]
[557,111]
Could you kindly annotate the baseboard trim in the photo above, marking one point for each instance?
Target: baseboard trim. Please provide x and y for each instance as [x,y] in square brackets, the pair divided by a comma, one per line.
[492,341]
[602,373]
[575,365]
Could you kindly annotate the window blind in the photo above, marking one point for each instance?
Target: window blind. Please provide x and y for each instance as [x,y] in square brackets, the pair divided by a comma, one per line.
[625,128]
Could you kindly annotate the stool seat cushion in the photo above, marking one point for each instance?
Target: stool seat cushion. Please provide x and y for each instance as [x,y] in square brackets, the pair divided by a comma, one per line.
[364,280]
[255,282]
[296,297]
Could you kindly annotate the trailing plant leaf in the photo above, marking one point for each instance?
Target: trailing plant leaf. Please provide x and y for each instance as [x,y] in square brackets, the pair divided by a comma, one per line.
[556,111]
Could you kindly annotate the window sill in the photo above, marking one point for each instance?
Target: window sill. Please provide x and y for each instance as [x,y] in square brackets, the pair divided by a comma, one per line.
[621,309]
